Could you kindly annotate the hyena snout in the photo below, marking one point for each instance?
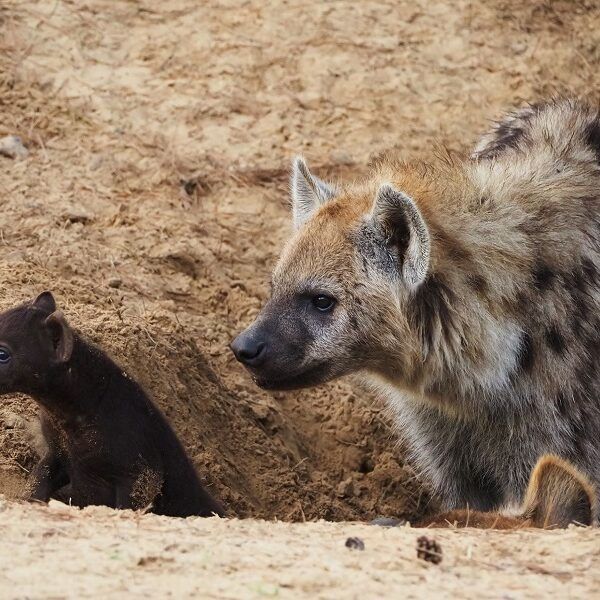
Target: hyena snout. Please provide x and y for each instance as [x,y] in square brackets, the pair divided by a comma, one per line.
[266,353]
[250,348]
[276,351]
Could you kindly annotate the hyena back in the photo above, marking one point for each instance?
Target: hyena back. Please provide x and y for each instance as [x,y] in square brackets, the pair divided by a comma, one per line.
[468,290]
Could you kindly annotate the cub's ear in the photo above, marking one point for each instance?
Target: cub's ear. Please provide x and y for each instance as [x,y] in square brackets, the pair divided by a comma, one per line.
[405,230]
[61,336]
[558,494]
[46,302]
[308,192]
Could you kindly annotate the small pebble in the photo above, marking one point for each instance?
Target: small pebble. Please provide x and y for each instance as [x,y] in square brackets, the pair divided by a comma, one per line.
[345,489]
[342,158]
[96,162]
[387,522]
[12,147]
[115,282]
[355,543]
[76,215]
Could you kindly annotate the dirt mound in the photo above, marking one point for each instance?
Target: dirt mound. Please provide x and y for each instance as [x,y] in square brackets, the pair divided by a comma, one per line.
[258,457]
[153,199]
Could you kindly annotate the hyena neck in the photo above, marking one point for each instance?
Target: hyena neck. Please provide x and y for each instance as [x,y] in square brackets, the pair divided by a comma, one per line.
[76,389]
[462,315]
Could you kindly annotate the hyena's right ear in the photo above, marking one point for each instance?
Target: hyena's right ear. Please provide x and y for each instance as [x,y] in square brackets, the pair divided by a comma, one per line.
[308,192]
[405,230]
[558,494]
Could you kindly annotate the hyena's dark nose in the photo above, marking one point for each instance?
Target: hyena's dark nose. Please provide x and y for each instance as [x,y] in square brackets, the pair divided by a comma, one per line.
[248,349]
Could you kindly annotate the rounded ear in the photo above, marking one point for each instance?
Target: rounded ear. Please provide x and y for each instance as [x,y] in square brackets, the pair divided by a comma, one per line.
[61,336]
[45,301]
[399,217]
[558,494]
[308,192]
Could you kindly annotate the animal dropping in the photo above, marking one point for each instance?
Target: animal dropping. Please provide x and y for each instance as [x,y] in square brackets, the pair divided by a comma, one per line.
[355,543]
[465,290]
[429,550]
[107,443]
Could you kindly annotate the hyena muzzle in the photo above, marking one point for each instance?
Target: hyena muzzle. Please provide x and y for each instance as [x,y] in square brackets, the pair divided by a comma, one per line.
[466,290]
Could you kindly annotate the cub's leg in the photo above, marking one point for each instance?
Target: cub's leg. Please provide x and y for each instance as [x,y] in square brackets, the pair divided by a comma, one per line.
[48,476]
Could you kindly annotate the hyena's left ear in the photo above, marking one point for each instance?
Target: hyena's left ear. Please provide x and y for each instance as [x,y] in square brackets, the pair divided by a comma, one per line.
[405,230]
[308,192]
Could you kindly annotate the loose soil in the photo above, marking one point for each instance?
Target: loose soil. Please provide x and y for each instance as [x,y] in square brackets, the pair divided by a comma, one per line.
[153,203]
[103,553]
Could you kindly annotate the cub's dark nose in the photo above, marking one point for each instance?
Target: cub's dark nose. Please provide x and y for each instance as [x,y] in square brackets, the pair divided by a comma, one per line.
[248,349]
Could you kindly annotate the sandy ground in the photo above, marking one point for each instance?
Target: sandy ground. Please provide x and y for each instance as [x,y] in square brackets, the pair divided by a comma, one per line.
[120,554]
[153,203]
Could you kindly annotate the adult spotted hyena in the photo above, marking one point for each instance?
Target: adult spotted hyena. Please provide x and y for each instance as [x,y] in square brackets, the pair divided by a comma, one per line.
[467,290]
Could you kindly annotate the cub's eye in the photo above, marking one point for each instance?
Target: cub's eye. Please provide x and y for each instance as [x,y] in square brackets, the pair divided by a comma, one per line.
[323,303]
[4,356]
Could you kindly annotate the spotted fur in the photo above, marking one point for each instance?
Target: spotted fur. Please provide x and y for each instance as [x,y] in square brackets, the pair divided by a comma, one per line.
[488,351]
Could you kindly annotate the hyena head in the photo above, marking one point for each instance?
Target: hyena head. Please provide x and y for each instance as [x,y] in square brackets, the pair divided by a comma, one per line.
[340,286]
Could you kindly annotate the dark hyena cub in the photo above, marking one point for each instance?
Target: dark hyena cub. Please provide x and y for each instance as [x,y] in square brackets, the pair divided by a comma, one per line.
[107,442]
[468,291]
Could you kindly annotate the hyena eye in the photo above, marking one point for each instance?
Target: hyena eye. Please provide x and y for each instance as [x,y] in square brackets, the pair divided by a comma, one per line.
[323,303]
[4,356]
